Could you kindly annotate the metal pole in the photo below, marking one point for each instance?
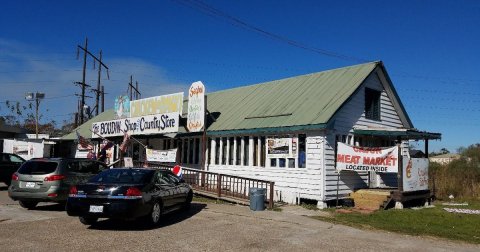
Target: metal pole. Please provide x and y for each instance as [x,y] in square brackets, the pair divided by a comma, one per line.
[83,79]
[97,97]
[37,101]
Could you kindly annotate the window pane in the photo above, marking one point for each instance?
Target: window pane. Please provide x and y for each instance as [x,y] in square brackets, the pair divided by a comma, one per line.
[372,104]
[291,163]
[301,150]
[245,150]
[262,151]
[217,150]
[273,162]
[232,157]
[281,162]
[224,150]
[239,150]
[255,151]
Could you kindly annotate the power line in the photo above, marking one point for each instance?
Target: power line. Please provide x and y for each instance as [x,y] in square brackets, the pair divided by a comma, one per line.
[211,11]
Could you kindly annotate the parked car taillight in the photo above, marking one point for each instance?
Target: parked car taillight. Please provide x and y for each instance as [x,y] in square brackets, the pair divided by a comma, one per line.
[133,191]
[15,177]
[54,177]
[73,190]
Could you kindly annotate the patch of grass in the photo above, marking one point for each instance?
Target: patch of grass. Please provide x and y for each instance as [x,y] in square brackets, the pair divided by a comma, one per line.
[198,198]
[277,209]
[426,221]
[309,206]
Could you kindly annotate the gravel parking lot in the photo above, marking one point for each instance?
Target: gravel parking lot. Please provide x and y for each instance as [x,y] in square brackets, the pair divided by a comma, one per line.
[205,227]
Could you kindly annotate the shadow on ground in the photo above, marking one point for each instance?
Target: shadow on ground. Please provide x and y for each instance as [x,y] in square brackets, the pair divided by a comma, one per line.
[137,225]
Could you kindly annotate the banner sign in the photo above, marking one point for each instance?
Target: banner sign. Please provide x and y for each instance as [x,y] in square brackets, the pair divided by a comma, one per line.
[282,147]
[415,174]
[165,104]
[196,107]
[377,159]
[168,156]
[122,107]
[144,125]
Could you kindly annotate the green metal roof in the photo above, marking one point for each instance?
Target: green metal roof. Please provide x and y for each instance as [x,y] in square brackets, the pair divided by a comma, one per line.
[307,101]
[302,100]
[407,134]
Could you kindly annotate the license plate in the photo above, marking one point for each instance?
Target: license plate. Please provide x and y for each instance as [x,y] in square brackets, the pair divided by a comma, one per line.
[30,185]
[96,209]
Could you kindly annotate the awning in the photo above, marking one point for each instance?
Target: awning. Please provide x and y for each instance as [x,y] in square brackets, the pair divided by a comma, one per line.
[404,134]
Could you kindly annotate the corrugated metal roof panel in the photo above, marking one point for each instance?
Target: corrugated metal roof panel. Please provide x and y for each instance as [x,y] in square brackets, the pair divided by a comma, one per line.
[310,99]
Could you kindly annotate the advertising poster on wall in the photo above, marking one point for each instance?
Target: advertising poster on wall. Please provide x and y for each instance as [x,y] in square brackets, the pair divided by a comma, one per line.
[168,156]
[377,159]
[172,103]
[282,147]
[196,107]
[415,174]
[122,107]
[144,125]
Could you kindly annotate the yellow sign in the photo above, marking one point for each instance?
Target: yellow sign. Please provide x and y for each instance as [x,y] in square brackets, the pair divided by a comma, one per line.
[172,103]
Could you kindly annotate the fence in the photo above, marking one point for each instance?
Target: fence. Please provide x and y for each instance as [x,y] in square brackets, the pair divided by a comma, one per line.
[220,186]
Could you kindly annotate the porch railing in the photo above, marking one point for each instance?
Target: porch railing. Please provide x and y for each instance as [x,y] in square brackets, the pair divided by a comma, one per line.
[220,186]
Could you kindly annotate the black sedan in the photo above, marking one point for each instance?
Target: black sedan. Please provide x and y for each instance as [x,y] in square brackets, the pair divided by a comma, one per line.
[129,193]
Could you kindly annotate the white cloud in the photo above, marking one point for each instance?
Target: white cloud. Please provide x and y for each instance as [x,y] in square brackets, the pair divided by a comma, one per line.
[23,68]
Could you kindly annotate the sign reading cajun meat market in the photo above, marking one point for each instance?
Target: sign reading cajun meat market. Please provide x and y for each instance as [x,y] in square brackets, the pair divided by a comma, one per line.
[144,125]
[375,159]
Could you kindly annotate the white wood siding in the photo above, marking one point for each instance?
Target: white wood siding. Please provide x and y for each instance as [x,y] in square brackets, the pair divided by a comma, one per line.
[291,184]
[352,115]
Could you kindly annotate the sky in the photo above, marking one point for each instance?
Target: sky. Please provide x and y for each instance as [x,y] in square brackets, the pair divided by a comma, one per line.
[430,50]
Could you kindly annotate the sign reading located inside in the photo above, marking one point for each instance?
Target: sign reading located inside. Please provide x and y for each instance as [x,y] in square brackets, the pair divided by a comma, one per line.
[375,159]
[196,107]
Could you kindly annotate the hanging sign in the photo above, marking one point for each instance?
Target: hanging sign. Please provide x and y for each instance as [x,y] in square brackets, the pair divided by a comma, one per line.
[172,103]
[122,107]
[377,159]
[161,155]
[415,174]
[144,125]
[196,107]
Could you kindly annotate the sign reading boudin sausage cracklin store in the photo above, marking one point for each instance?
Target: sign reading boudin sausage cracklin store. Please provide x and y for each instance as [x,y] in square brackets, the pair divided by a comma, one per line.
[196,107]
[155,115]
[377,159]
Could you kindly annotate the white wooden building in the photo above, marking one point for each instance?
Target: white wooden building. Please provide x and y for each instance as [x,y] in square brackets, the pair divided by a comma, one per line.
[301,119]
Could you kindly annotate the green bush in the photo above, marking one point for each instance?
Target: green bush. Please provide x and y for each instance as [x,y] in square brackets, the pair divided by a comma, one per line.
[460,178]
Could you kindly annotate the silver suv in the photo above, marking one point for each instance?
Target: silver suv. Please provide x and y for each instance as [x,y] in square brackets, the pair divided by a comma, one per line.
[49,179]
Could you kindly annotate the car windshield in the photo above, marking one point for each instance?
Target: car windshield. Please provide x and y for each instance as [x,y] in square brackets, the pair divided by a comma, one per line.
[123,176]
[38,167]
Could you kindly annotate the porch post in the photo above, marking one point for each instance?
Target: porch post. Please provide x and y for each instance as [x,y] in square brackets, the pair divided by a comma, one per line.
[426,148]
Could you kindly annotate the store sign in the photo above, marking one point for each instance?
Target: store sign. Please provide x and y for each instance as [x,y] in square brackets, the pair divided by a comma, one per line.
[282,147]
[169,156]
[354,158]
[122,107]
[196,107]
[172,103]
[144,125]
[415,174]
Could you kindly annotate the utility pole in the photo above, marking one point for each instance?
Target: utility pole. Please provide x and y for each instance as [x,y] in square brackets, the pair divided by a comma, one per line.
[83,79]
[97,91]
[131,88]
[83,84]
[103,98]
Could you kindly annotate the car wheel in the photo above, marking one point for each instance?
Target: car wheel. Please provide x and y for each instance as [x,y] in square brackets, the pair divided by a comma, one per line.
[28,204]
[88,220]
[154,217]
[188,201]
